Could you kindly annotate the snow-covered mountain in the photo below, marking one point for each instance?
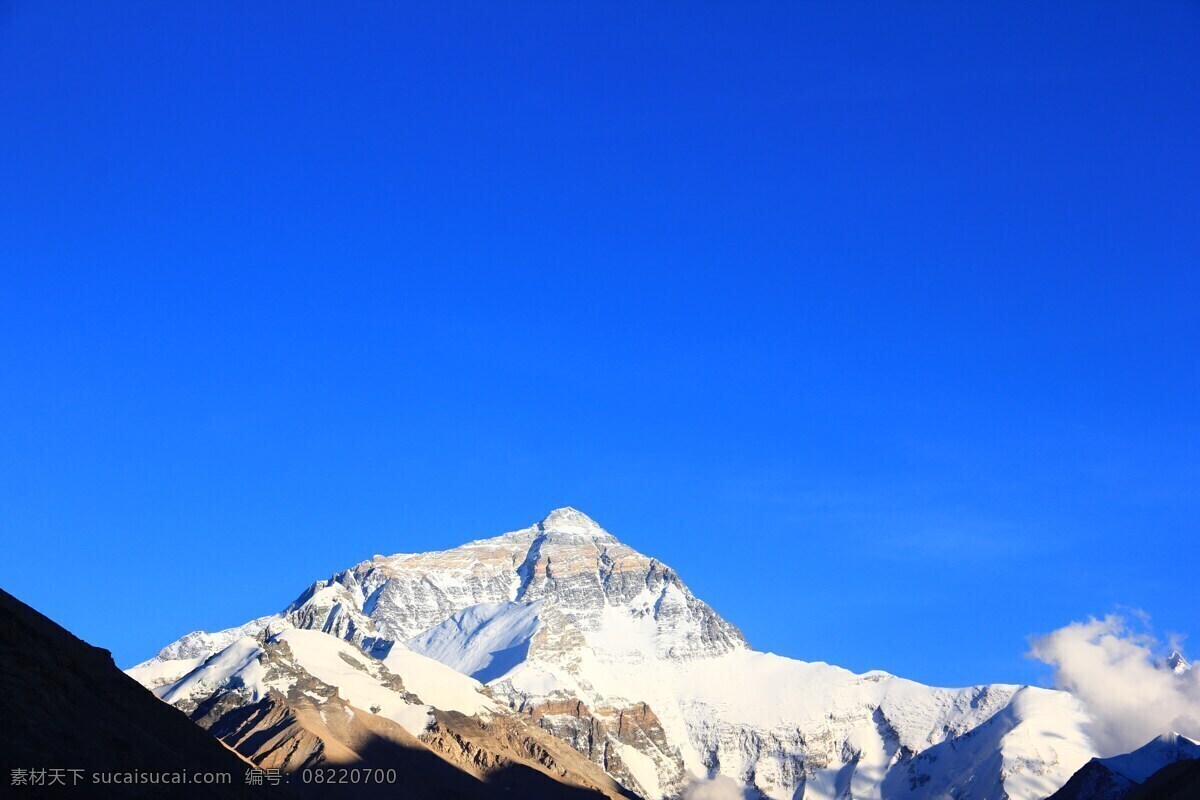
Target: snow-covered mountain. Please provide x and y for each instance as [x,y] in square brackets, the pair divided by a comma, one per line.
[607,649]
[1116,777]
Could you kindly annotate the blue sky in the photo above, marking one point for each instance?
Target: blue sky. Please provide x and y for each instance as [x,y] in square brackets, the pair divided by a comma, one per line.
[878,324]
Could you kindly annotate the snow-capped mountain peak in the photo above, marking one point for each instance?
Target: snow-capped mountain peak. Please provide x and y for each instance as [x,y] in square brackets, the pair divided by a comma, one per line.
[608,649]
[572,522]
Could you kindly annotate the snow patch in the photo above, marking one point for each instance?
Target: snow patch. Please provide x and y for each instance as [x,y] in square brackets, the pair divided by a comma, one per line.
[437,684]
[484,641]
[333,661]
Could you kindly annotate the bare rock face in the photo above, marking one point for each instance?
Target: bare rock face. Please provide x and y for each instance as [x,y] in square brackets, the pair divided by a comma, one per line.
[490,746]
[601,734]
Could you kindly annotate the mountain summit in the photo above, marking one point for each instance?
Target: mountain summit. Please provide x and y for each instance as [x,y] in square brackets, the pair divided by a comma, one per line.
[571,521]
[1177,663]
[609,651]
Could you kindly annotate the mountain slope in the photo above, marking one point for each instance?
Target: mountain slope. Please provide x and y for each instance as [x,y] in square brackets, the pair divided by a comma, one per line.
[300,700]
[65,705]
[1129,775]
[609,650]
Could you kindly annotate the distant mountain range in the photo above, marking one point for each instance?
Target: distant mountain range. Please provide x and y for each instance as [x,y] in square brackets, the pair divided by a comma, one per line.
[560,645]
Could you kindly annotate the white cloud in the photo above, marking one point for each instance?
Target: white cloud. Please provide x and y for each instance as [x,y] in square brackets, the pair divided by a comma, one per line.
[718,788]
[1131,696]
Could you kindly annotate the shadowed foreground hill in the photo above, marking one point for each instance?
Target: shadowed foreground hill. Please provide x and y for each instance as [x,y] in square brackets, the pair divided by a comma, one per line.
[65,705]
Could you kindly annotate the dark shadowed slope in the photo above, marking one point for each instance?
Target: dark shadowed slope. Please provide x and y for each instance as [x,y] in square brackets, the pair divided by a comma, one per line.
[1178,781]
[64,705]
